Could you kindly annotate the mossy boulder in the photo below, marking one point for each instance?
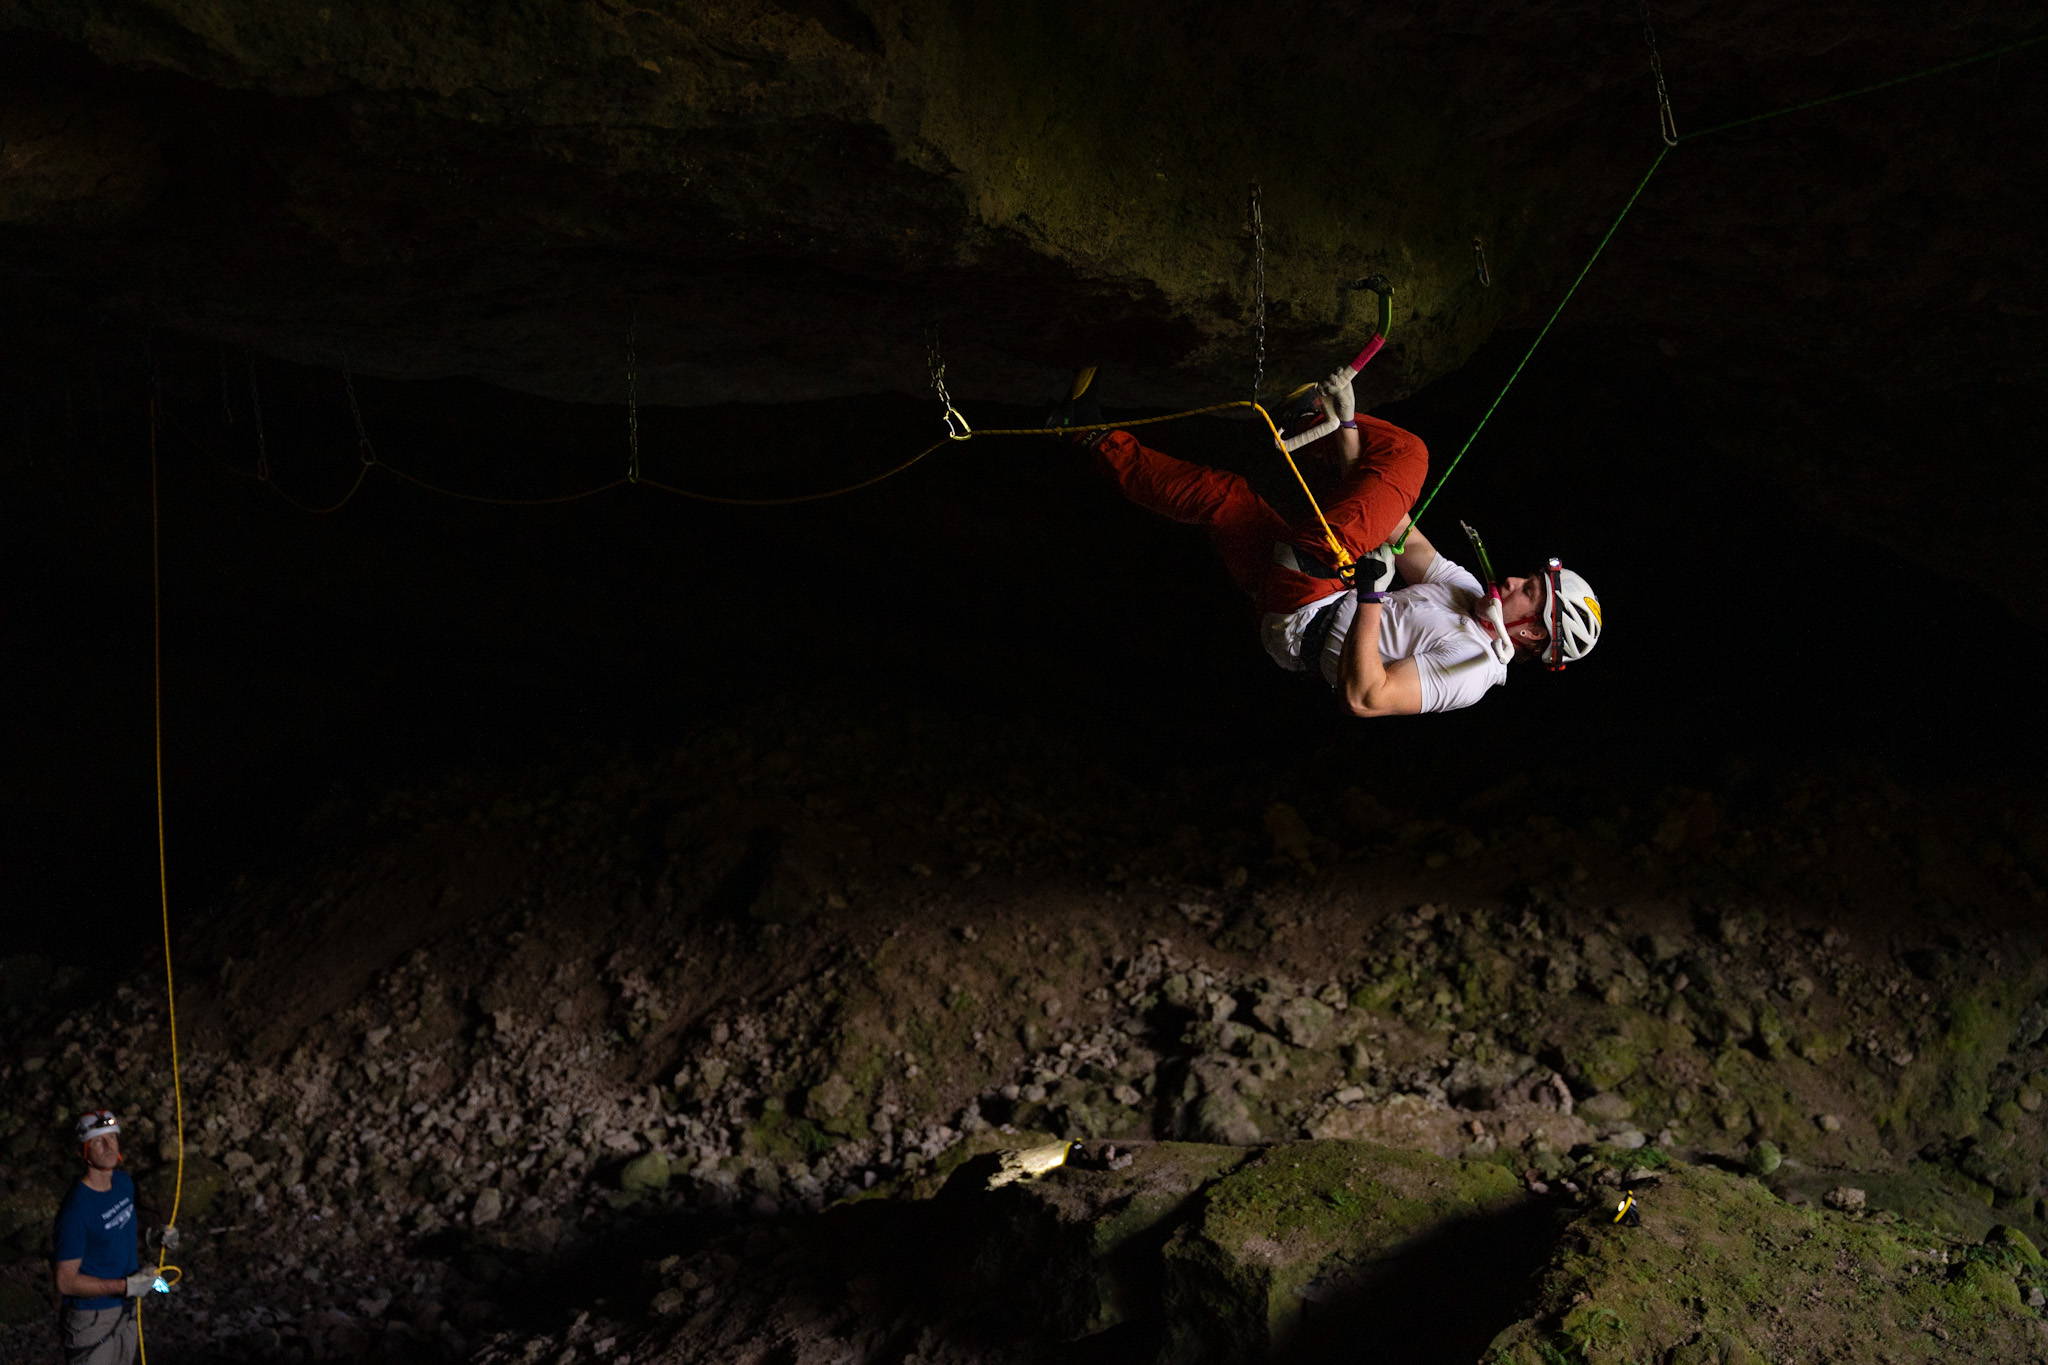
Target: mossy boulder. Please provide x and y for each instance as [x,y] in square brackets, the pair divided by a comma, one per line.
[1602,1047]
[1295,1018]
[835,1106]
[1721,1270]
[647,1173]
[1305,1228]
[2018,1243]
[1087,1241]
[1225,1254]
[1930,1196]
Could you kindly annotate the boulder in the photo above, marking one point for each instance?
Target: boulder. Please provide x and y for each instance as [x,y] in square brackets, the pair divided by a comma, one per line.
[645,1174]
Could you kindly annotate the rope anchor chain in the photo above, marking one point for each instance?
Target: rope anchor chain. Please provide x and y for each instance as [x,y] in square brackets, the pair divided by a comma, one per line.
[1667,123]
[365,451]
[957,428]
[633,399]
[1256,217]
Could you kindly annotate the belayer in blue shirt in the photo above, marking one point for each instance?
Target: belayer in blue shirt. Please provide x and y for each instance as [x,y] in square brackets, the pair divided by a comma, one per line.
[94,1251]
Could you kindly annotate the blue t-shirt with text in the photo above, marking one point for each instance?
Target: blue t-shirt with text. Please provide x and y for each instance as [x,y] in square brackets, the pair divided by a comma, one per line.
[98,1231]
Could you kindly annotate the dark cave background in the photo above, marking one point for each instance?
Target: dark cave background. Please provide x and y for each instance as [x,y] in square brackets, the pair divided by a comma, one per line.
[1789,427]
[312,663]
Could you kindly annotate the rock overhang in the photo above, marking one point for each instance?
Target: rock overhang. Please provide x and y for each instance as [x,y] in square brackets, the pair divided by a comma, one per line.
[795,200]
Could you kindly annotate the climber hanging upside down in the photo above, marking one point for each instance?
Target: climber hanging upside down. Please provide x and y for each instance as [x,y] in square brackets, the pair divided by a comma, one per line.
[1436,643]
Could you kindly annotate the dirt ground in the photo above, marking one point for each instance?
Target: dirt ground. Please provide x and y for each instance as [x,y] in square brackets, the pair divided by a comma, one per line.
[571,1062]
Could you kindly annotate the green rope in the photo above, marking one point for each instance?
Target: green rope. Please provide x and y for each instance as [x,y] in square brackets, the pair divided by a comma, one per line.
[1444,478]
[1865,90]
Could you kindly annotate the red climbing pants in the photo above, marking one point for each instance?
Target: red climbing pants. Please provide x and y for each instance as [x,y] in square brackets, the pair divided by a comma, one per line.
[1368,508]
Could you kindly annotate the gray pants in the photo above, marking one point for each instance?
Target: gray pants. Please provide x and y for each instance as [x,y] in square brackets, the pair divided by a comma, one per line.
[98,1336]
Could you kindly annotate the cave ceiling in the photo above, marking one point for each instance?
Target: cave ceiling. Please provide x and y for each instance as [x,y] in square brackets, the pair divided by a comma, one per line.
[784,199]
[766,201]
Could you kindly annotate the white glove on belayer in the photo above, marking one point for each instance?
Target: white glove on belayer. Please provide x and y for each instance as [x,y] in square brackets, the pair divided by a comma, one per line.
[142,1281]
[1338,401]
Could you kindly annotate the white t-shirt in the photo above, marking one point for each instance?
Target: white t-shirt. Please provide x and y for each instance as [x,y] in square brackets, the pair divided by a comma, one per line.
[1430,622]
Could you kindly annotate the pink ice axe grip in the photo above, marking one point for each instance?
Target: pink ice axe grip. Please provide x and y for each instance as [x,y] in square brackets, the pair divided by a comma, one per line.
[1372,348]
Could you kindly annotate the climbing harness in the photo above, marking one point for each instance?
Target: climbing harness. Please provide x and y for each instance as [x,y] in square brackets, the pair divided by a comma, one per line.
[1317,636]
[83,1350]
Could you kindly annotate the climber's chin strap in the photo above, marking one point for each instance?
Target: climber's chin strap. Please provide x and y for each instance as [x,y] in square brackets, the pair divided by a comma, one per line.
[1502,644]
[1553,597]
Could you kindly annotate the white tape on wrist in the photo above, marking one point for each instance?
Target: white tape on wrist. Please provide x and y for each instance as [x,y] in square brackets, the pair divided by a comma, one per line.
[1315,433]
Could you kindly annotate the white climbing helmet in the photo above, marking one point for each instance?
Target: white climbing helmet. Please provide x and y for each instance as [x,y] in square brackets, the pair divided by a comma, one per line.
[1571,612]
[97,1123]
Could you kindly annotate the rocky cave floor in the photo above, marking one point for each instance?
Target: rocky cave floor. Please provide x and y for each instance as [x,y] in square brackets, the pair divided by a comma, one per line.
[698,1056]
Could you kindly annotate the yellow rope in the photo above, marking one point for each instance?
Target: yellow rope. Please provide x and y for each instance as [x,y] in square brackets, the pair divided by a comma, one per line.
[1343,557]
[162,874]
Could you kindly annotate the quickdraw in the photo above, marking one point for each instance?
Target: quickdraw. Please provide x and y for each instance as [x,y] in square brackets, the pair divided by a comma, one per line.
[956,425]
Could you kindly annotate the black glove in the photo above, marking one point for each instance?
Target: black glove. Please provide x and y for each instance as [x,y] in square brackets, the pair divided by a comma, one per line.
[1374,574]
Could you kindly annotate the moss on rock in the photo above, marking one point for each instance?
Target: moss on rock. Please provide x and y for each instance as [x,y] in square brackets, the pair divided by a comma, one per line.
[1304,1221]
[1719,1269]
